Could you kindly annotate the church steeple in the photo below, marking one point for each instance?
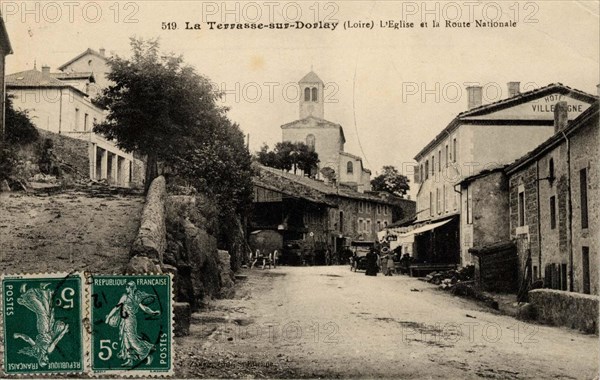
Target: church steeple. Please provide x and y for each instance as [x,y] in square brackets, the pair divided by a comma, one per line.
[311,96]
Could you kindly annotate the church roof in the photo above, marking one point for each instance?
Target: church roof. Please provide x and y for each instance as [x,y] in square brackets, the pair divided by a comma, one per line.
[311,78]
[320,123]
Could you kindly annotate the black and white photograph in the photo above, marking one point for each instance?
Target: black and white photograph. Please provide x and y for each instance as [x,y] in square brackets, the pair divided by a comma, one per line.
[300,189]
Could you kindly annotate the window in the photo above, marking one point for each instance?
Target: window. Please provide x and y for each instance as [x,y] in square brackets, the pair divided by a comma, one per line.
[430,203]
[85,122]
[438,201]
[521,206]
[368,207]
[469,206]
[551,170]
[368,226]
[426,169]
[454,150]
[378,225]
[76,119]
[439,160]
[361,207]
[349,167]
[432,165]
[385,210]
[341,221]
[447,157]
[307,94]
[584,198]
[445,203]
[314,94]
[420,173]
[360,225]
[552,212]
[310,141]
[585,265]
[95,122]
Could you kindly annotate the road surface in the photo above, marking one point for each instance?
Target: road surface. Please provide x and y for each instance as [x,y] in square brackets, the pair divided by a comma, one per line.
[330,322]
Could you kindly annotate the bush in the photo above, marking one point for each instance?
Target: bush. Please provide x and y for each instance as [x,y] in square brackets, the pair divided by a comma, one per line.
[19,128]
[8,162]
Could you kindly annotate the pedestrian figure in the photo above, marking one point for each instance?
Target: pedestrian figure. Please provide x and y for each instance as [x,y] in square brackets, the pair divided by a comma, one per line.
[257,257]
[390,264]
[275,258]
[372,263]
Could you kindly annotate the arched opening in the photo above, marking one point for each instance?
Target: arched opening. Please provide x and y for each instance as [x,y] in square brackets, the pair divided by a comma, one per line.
[307,94]
[315,97]
[349,167]
[310,141]
[341,221]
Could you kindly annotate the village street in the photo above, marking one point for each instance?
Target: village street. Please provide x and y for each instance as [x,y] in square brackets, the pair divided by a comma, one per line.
[331,322]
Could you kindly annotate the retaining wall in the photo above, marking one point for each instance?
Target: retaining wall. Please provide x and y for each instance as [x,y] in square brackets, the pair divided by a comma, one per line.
[575,310]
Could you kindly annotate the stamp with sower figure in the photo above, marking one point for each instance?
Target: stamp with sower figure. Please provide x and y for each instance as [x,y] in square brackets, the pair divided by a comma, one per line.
[131,324]
[43,316]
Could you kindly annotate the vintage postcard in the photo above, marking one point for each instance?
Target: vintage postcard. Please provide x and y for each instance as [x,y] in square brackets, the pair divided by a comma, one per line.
[300,188]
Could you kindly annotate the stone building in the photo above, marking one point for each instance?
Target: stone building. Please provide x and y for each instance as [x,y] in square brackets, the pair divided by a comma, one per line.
[325,137]
[89,62]
[484,205]
[5,49]
[554,205]
[319,214]
[483,137]
[62,107]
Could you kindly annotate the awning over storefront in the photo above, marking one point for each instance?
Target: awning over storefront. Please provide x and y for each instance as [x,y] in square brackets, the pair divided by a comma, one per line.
[426,228]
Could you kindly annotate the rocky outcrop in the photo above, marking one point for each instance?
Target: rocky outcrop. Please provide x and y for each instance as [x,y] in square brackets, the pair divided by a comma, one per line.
[151,240]
[226,275]
[192,249]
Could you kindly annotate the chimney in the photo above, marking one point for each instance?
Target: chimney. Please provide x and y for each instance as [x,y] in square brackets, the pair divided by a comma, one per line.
[103,52]
[46,70]
[474,94]
[561,116]
[514,89]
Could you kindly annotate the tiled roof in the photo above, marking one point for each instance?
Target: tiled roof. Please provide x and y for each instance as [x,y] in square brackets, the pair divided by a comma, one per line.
[311,78]
[35,78]
[506,103]
[88,51]
[74,75]
[317,189]
[557,138]
[4,40]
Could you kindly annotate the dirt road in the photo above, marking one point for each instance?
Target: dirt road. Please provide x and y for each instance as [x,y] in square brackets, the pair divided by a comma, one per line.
[66,231]
[330,322]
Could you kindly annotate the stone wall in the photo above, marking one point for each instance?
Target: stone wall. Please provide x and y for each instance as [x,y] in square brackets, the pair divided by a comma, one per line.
[559,308]
[71,151]
[151,240]
[202,271]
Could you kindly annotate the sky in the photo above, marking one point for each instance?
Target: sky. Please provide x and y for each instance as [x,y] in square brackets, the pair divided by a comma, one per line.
[391,89]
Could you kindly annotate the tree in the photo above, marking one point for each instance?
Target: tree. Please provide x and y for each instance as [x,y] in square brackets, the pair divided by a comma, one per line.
[19,128]
[288,156]
[392,181]
[157,106]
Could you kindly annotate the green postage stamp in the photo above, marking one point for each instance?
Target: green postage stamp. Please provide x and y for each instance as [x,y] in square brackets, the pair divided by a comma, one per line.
[43,316]
[132,325]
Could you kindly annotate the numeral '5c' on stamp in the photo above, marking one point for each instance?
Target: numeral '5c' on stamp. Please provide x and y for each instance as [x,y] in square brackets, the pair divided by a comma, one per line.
[131,320]
[43,317]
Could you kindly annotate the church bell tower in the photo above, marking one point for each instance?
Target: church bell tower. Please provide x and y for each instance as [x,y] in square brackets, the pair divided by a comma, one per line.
[311,96]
